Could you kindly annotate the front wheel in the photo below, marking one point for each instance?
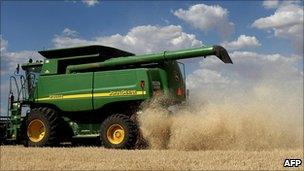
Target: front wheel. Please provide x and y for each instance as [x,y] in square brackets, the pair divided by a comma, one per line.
[119,131]
[42,127]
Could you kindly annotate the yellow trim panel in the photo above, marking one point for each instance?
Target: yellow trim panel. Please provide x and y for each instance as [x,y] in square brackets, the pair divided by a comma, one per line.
[90,95]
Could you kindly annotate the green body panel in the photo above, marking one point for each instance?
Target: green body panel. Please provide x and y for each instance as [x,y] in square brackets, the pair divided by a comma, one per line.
[93,90]
[83,128]
[158,74]
[67,92]
[49,67]
[88,129]
[122,85]
[175,80]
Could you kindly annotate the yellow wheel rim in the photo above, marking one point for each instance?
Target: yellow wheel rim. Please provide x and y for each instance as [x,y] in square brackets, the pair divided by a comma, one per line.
[36,130]
[115,134]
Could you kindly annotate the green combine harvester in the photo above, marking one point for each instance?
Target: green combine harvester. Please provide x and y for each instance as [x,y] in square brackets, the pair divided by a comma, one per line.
[92,91]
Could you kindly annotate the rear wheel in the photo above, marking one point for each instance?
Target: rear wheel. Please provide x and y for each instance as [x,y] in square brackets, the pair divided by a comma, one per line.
[42,127]
[3,131]
[119,131]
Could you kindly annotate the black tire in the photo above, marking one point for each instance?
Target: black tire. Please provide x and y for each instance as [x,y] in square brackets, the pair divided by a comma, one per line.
[130,128]
[22,137]
[3,130]
[50,120]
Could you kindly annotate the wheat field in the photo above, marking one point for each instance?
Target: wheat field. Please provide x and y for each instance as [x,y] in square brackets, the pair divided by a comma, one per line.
[98,158]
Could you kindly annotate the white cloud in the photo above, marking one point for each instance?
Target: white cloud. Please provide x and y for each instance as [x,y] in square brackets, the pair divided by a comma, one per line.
[284,16]
[3,44]
[140,39]
[269,4]
[9,60]
[90,3]
[205,18]
[249,69]
[242,42]
[286,22]
[69,32]
[206,76]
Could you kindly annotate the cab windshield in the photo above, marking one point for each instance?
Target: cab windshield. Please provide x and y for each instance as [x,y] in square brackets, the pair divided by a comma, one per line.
[32,73]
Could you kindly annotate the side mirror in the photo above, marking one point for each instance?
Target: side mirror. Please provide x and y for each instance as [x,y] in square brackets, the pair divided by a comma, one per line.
[17,69]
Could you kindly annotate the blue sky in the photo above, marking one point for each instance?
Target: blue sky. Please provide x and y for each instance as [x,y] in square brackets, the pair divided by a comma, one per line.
[29,26]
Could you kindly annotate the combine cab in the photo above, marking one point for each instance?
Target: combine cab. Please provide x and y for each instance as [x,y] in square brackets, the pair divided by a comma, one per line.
[92,91]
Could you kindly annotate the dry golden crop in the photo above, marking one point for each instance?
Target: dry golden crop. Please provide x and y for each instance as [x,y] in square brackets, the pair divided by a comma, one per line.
[98,158]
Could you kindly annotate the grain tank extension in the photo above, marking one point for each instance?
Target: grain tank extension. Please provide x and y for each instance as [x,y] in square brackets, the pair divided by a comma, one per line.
[92,91]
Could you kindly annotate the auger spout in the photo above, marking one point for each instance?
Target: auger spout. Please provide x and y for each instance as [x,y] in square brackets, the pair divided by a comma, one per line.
[216,50]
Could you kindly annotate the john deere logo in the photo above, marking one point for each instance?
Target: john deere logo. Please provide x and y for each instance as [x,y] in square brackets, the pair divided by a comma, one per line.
[123,92]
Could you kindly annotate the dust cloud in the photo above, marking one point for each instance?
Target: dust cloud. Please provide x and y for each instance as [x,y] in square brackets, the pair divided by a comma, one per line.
[265,116]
